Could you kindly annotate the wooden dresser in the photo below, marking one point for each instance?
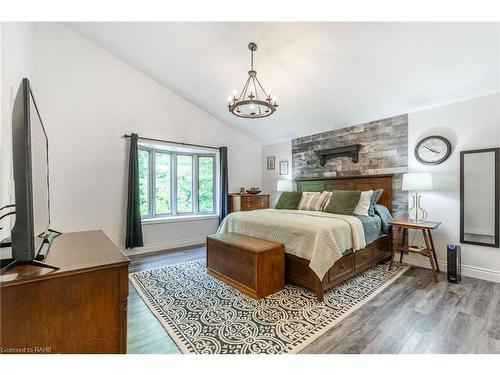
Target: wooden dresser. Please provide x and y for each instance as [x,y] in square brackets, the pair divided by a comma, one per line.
[80,308]
[247,202]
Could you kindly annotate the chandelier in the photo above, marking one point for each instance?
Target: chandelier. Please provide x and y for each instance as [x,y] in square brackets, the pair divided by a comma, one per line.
[253,101]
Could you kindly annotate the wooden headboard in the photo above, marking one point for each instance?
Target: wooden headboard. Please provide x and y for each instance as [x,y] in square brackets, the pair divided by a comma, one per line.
[363,183]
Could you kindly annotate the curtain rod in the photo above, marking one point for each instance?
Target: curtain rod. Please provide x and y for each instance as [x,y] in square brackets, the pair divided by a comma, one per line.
[172,142]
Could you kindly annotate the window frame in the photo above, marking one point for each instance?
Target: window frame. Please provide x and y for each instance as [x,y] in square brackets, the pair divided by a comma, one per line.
[173,183]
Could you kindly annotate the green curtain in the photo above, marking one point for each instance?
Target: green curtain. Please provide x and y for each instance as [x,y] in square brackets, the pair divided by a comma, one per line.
[134,225]
[223,209]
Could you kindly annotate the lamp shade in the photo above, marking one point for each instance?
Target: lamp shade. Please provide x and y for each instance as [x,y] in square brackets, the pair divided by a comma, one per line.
[284,185]
[417,181]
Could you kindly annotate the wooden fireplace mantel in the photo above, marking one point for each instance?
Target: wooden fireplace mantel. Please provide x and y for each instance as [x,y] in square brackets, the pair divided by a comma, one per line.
[351,151]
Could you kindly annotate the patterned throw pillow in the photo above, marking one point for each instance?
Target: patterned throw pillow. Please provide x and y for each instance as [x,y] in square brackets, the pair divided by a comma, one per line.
[327,200]
[313,201]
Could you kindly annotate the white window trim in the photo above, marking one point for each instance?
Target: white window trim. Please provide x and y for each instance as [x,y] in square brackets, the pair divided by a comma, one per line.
[178,218]
[174,215]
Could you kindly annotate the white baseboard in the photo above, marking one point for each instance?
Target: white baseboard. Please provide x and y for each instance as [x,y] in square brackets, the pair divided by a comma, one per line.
[165,246]
[470,271]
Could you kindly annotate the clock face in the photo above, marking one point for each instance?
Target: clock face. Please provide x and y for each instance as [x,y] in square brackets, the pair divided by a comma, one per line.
[433,150]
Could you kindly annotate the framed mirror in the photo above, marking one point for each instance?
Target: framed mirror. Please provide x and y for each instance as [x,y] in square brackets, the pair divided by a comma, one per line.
[479,197]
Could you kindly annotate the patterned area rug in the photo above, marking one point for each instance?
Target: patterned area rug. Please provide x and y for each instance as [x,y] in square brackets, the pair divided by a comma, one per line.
[204,315]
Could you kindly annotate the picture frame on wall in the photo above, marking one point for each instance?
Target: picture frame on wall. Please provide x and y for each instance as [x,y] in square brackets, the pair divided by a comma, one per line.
[283,167]
[271,161]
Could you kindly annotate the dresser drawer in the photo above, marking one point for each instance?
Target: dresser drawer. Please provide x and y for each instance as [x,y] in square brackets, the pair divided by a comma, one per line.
[263,202]
[247,203]
[253,202]
[364,257]
[341,268]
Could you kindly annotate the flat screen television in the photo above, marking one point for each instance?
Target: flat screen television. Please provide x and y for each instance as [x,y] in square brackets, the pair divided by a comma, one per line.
[31,177]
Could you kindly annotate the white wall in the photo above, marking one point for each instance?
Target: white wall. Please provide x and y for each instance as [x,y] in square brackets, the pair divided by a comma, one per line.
[16,64]
[88,99]
[470,124]
[281,151]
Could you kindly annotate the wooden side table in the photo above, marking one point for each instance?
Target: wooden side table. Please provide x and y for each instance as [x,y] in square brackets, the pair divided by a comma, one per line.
[428,251]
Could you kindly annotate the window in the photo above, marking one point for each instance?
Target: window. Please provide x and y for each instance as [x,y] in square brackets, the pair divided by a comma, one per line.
[184,183]
[206,183]
[176,183]
[162,183]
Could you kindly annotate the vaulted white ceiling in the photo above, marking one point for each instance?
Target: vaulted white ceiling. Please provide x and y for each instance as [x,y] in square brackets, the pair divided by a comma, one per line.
[325,75]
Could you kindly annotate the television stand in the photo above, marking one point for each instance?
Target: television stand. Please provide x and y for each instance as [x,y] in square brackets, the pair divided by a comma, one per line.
[80,308]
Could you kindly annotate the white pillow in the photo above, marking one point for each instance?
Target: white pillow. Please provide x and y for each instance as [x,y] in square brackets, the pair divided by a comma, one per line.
[363,203]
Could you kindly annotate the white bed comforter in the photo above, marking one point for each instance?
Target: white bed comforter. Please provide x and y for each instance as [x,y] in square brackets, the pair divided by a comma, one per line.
[318,236]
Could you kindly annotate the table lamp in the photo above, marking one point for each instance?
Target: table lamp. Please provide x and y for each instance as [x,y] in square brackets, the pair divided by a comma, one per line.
[414,183]
[284,185]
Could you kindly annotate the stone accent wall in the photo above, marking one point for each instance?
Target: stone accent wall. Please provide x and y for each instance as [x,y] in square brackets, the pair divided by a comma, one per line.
[384,151]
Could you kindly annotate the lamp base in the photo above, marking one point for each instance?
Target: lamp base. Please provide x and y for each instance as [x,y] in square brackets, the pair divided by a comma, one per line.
[416,213]
[416,221]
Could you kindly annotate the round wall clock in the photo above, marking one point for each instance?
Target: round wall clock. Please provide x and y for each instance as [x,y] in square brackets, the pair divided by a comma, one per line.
[433,150]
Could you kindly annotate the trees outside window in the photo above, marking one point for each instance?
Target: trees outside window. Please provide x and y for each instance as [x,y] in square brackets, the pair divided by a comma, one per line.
[176,183]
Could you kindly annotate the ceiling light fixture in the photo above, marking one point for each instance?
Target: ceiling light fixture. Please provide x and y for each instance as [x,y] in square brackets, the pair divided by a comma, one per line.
[253,101]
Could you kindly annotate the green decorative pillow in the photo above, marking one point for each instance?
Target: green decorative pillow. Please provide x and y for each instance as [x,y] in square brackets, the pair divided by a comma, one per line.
[343,202]
[289,200]
[373,201]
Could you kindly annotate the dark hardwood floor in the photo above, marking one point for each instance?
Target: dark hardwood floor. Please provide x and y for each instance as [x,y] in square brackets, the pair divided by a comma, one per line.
[412,315]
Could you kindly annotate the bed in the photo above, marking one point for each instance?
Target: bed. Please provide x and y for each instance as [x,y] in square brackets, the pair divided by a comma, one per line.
[321,249]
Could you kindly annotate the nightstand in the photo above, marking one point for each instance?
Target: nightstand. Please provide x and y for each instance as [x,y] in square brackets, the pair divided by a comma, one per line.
[428,250]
